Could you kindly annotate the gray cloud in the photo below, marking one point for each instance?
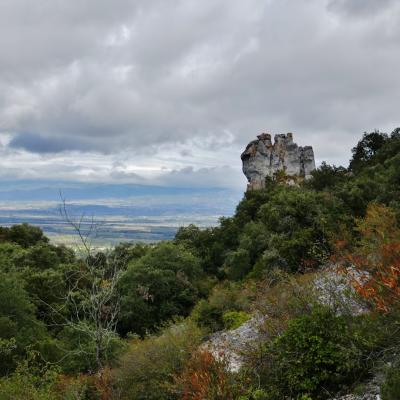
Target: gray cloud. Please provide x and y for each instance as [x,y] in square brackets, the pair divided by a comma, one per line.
[360,8]
[38,144]
[223,176]
[187,84]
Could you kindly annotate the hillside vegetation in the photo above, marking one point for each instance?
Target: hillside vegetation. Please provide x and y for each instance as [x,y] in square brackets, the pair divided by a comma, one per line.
[131,323]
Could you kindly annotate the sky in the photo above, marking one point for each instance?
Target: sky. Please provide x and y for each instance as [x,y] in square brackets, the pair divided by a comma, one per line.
[170,92]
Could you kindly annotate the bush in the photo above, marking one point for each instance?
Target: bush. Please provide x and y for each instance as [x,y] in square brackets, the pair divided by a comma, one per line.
[234,319]
[31,381]
[316,351]
[257,394]
[390,389]
[146,371]
[225,297]
[79,348]
[206,377]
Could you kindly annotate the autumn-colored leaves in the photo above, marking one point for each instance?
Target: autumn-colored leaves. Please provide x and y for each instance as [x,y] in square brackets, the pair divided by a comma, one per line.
[373,265]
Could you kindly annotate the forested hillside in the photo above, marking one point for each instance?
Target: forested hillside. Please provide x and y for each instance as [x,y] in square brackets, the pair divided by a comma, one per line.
[129,323]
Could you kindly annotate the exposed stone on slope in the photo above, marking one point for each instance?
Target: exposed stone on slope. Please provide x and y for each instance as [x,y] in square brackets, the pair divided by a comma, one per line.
[234,343]
[331,288]
[334,288]
[263,159]
[371,392]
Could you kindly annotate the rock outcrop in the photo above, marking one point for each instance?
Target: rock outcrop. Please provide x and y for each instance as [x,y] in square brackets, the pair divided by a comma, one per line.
[263,159]
[234,344]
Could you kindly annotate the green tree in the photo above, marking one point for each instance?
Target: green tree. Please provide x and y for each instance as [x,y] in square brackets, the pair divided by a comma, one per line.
[327,177]
[366,148]
[18,324]
[162,284]
[25,235]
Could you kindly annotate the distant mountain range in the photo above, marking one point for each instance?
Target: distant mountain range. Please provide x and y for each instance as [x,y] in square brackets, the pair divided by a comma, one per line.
[25,190]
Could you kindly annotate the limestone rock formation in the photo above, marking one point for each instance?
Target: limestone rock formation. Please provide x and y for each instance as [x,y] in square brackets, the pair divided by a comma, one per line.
[263,159]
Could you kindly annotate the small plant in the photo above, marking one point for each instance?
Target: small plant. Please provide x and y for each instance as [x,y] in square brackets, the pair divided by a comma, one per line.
[206,377]
[234,319]
[224,298]
[255,394]
[390,389]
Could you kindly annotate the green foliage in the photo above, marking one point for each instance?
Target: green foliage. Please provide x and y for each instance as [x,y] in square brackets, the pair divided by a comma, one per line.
[158,286]
[124,253]
[292,230]
[390,389]
[10,255]
[18,324]
[208,313]
[146,371]
[79,348]
[327,177]
[25,235]
[210,245]
[255,394]
[366,148]
[376,174]
[234,319]
[30,381]
[316,351]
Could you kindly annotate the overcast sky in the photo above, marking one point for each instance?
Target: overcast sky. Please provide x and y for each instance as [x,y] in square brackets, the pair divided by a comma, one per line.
[170,92]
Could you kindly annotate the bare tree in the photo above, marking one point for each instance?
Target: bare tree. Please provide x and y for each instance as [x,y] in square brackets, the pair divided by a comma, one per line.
[92,294]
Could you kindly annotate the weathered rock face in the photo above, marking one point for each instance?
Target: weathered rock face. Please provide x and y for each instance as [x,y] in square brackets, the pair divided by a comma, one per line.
[263,159]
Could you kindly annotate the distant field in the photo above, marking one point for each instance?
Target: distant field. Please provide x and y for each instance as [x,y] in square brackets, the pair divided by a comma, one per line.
[121,213]
[109,229]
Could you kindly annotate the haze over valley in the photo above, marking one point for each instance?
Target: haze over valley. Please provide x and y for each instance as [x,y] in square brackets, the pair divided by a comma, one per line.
[121,212]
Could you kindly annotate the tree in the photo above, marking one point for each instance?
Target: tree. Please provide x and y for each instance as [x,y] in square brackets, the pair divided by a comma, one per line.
[327,177]
[19,327]
[92,298]
[366,148]
[25,235]
[162,284]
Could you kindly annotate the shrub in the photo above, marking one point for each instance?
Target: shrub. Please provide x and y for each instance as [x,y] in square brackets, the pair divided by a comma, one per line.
[390,389]
[225,297]
[282,297]
[146,370]
[234,319]
[316,351]
[32,380]
[375,262]
[205,377]
[85,387]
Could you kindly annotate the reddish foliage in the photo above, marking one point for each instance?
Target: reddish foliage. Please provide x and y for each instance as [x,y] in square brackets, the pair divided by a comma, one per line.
[205,378]
[99,385]
[375,263]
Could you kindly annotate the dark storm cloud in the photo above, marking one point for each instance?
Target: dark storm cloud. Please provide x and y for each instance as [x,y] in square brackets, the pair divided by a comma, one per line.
[136,76]
[38,144]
